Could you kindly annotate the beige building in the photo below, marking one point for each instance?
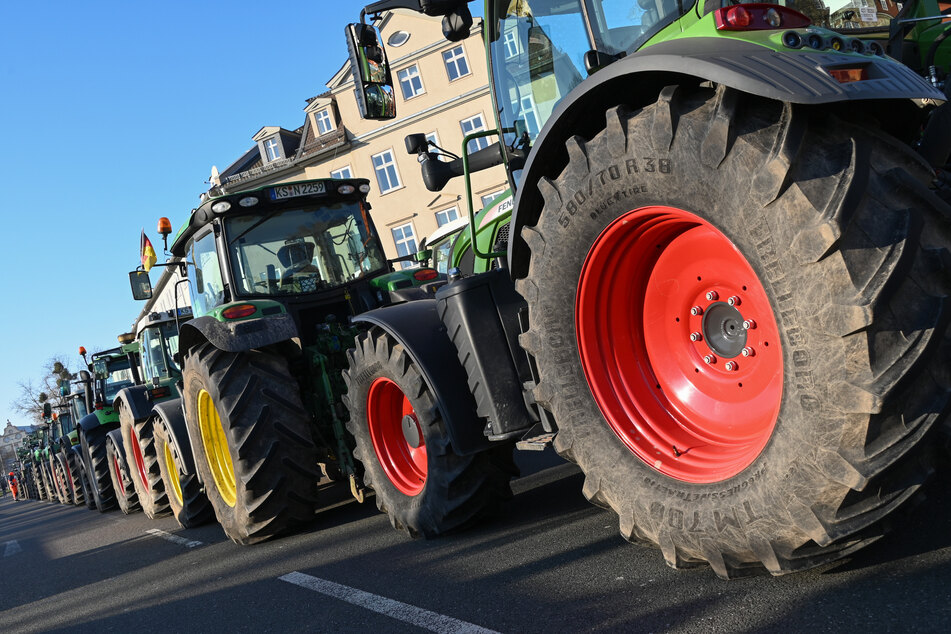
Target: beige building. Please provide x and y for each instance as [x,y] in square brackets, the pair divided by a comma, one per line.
[10,439]
[442,90]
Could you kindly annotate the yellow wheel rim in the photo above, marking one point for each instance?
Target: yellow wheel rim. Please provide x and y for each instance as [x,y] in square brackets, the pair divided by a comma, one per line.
[216,448]
[172,470]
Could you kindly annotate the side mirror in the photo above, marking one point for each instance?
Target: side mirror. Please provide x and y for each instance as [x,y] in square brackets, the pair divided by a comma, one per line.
[47,410]
[141,285]
[457,25]
[371,72]
[416,143]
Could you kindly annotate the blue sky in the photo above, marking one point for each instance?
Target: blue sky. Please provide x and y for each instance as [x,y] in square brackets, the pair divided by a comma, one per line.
[115,113]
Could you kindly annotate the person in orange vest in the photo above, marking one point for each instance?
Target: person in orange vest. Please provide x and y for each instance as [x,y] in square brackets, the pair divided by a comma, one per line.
[12,479]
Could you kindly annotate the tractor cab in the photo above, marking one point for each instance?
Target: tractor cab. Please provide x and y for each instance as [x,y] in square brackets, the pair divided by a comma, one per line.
[158,335]
[306,249]
[113,370]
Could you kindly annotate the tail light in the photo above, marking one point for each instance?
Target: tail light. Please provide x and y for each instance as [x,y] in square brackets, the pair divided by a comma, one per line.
[160,392]
[239,311]
[848,75]
[424,275]
[758,17]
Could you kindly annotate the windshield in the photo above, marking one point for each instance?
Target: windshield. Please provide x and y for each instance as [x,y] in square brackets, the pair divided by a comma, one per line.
[538,49]
[442,251]
[78,408]
[301,250]
[120,376]
[159,345]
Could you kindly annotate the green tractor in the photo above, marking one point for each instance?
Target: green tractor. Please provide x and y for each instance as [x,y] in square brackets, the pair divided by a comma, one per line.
[726,299]
[152,426]
[274,275]
[103,460]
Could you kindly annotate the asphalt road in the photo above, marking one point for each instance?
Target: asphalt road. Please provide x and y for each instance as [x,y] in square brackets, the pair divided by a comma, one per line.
[554,563]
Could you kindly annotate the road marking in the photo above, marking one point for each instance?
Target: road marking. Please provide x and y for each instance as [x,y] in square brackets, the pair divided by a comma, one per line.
[12,548]
[432,621]
[175,539]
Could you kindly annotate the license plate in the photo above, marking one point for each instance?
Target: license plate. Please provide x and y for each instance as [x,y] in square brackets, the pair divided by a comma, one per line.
[290,191]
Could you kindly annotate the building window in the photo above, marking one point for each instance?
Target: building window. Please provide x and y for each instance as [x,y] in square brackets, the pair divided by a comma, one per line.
[488,198]
[474,124]
[511,43]
[272,149]
[398,38]
[410,82]
[343,172]
[446,216]
[405,239]
[527,110]
[456,64]
[385,167]
[325,122]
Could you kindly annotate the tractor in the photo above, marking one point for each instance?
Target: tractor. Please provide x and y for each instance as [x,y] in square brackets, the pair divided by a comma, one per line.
[103,460]
[724,291]
[152,427]
[275,274]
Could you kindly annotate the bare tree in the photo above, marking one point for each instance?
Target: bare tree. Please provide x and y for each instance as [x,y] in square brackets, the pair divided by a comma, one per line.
[33,395]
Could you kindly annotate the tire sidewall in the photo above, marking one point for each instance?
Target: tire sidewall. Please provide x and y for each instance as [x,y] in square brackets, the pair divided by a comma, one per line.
[195,379]
[410,510]
[642,177]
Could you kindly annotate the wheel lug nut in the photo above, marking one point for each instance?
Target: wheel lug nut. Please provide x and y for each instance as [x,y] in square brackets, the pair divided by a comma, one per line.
[748,352]
[709,359]
[733,301]
[696,310]
[695,336]
[729,366]
[712,295]
[749,324]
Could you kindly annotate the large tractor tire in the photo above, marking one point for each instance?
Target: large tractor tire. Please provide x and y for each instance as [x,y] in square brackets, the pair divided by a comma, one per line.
[121,479]
[139,443]
[74,469]
[88,495]
[756,357]
[186,498]
[420,482]
[255,453]
[64,489]
[93,443]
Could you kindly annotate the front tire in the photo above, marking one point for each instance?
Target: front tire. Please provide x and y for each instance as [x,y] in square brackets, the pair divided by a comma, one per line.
[121,480]
[255,452]
[420,482]
[186,498]
[824,237]
[93,443]
[140,455]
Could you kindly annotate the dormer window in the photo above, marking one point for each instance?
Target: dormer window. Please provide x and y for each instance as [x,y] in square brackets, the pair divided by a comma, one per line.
[325,122]
[273,149]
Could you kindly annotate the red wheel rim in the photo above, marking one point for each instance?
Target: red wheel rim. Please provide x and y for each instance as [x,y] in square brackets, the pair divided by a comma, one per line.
[137,455]
[115,463]
[397,437]
[679,344]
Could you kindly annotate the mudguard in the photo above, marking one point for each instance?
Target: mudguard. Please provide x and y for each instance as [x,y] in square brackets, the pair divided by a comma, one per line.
[172,418]
[417,327]
[100,418]
[136,399]
[237,336]
[791,76]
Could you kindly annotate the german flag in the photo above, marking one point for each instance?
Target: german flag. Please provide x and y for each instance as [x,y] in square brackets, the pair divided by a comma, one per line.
[146,253]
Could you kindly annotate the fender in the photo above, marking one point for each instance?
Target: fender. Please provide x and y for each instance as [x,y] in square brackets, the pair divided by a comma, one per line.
[791,76]
[136,399]
[417,327]
[172,418]
[100,418]
[237,336]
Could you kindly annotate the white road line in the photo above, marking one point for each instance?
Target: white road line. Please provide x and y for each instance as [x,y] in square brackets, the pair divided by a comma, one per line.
[175,539]
[12,548]
[425,619]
